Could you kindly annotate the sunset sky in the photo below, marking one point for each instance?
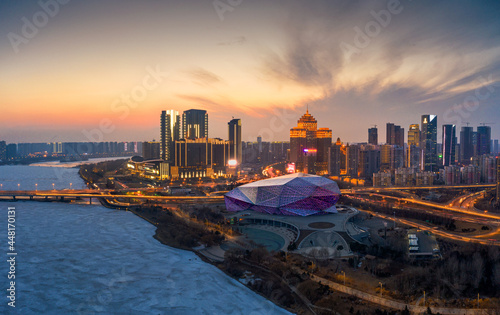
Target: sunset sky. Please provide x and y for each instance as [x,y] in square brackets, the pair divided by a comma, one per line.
[261,61]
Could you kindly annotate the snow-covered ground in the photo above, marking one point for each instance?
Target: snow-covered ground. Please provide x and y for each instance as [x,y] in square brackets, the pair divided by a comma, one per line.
[89,259]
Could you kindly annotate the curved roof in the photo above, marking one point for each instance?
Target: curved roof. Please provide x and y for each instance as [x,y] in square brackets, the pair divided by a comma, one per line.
[293,194]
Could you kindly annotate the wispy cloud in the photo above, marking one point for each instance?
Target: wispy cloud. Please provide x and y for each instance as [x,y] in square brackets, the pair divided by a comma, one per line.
[240,40]
[202,76]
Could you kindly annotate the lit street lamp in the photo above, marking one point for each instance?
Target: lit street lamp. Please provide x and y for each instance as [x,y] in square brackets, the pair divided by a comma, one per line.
[70,185]
[18,186]
[53,186]
[36,187]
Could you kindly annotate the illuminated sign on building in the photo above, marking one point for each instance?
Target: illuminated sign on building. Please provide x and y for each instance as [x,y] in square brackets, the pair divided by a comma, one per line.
[290,168]
[232,163]
[310,150]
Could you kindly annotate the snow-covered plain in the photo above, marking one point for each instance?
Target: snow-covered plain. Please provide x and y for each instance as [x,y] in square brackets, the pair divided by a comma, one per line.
[86,259]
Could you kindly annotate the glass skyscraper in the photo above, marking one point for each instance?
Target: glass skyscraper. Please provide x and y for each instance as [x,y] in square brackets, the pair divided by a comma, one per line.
[428,142]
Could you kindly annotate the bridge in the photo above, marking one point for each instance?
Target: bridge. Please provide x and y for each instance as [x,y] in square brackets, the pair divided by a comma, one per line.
[420,187]
[105,195]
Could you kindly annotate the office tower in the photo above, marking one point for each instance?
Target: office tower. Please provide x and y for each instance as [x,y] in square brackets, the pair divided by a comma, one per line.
[495,146]
[169,132]
[200,157]
[3,151]
[474,143]
[151,150]
[428,143]
[466,145]
[395,135]
[373,135]
[413,150]
[352,160]
[323,143]
[414,135]
[306,141]
[195,124]
[483,140]
[235,149]
[335,158]
[449,143]
[369,161]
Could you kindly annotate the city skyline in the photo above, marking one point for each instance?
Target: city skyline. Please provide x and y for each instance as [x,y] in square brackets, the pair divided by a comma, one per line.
[261,62]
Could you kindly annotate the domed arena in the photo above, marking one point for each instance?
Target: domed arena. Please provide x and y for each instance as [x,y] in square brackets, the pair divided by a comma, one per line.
[295,194]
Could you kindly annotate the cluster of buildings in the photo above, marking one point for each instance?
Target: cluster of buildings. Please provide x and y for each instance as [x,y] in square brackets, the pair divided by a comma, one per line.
[19,151]
[185,151]
[422,160]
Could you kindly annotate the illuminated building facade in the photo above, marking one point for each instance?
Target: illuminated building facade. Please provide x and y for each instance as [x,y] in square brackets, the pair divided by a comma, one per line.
[413,151]
[309,146]
[195,124]
[235,148]
[336,157]
[428,142]
[295,194]
[200,158]
[169,133]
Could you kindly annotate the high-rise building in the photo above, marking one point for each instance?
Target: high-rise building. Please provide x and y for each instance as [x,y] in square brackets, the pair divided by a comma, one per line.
[151,150]
[373,136]
[200,158]
[352,160]
[466,145]
[309,146]
[235,149]
[369,161]
[449,143]
[391,157]
[483,140]
[413,151]
[414,135]
[428,143]
[195,124]
[395,135]
[169,133]
[336,158]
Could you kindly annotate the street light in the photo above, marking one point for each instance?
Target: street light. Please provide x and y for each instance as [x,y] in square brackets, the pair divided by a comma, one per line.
[344,276]
[70,185]
[36,187]
[380,288]
[18,186]
[53,186]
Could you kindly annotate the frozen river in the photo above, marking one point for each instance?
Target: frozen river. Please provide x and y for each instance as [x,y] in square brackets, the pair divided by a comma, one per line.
[88,259]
